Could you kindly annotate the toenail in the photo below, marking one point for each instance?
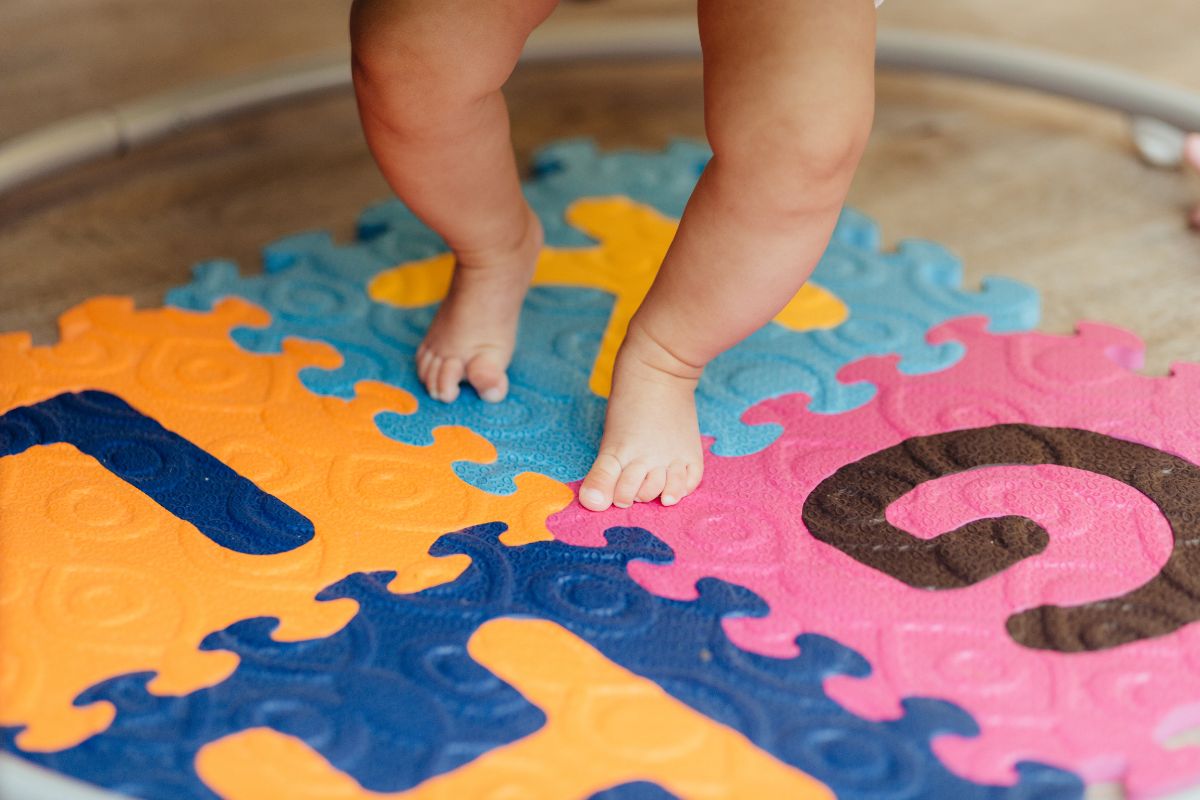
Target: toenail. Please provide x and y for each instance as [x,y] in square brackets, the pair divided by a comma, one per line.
[669,500]
[492,395]
[621,505]
[593,496]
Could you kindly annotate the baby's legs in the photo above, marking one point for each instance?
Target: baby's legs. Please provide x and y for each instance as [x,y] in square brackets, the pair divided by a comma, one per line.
[789,99]
[427,76]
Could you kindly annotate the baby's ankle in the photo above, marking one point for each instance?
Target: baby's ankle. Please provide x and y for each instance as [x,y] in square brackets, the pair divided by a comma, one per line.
[647,352]
[517,243]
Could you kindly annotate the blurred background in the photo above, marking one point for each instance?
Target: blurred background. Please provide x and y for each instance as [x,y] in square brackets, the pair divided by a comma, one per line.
[1041,189]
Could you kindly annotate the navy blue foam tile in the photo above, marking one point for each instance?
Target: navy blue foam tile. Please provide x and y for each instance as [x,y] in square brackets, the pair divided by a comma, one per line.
[395,696]
[387,699]
[175,473]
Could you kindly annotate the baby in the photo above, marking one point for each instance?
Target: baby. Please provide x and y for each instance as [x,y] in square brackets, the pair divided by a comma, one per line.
[788,102]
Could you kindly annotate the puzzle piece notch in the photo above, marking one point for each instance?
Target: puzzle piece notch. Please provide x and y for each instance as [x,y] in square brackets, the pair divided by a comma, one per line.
[382,343]
[777,704]
[954,645]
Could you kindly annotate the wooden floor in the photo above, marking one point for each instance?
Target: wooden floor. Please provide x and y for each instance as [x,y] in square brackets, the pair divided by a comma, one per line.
[1017,184]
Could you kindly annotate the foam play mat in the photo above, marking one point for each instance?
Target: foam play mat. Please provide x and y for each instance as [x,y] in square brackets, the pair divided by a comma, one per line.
[936,554]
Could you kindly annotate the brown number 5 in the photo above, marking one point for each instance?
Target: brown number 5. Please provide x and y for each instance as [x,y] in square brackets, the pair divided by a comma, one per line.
[847,511]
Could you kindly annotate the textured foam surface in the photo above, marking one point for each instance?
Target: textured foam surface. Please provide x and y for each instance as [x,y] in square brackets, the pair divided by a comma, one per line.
[99,579]
[413,648]
[186,481]
[896,582]
[605,726]
[316,289]
[1081,654]
[632,240]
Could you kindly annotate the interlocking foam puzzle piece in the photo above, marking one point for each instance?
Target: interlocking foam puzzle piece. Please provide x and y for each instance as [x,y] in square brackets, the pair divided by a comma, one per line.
[1084,698]
[100,580]
[605,725]
[182,478]
[550,423]
[390,702]
[316,290]
[633,240]
[894,298]
[778,704]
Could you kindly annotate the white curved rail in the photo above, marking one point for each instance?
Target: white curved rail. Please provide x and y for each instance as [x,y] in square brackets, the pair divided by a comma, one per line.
[122,128]
[129,126]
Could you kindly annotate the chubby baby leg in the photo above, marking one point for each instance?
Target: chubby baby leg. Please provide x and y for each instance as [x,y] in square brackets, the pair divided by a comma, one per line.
[427,76]
[789,100]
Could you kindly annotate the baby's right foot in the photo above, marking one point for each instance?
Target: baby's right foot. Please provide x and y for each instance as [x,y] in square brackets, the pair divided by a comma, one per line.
[651,445]
[475,329]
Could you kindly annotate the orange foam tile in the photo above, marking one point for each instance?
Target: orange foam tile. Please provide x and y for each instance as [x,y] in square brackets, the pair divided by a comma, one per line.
[97,580]
[606,726]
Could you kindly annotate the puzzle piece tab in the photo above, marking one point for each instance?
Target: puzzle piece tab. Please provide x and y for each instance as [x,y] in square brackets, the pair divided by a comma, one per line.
[1100,698]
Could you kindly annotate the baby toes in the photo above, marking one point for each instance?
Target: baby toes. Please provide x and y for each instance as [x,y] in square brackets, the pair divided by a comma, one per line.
[596,491]
[429,373]
[424,359]
[488,377]
[449,375]
[628,485]
[652,487]
[677,486]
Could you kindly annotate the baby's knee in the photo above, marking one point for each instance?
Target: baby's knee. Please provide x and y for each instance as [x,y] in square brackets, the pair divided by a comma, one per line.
[791,163]
[423,60]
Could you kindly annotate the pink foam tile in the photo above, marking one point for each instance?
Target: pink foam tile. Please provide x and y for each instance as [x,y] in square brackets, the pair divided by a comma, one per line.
[1105,713]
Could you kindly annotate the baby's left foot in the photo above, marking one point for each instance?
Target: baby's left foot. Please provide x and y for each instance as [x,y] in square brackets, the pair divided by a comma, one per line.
[651,445]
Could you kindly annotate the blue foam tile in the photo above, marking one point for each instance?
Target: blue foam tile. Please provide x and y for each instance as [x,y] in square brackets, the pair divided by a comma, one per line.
[395,697]
[317,289]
